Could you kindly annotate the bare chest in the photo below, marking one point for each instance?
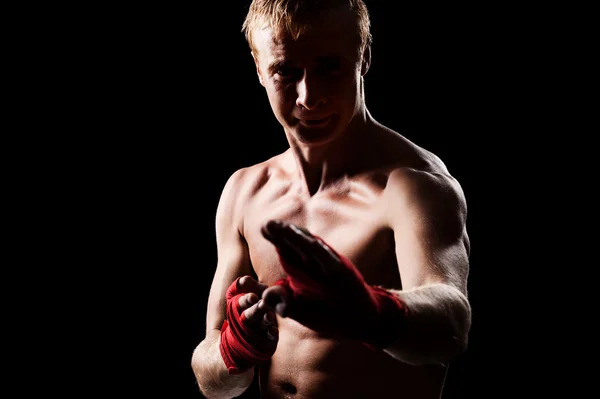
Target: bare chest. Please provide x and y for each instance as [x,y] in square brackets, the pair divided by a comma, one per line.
[353,227]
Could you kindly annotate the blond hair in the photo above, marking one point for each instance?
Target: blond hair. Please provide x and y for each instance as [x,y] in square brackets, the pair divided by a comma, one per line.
[295,16]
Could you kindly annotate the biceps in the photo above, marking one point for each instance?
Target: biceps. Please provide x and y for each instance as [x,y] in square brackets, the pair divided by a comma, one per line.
[451,263]
[422,261]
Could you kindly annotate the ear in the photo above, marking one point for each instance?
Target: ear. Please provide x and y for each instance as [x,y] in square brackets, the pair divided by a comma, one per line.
[256,63]
[366,60]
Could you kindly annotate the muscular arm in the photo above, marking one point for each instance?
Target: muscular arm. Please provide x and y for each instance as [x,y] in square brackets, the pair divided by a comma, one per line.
[428,219]
[232,262]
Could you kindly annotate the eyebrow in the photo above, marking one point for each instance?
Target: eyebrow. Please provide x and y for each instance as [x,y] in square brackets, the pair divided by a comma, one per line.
[329,58]
[275,66]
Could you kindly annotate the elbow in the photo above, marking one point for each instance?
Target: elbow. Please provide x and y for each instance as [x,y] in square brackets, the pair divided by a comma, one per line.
[198,370]
[458,346]
[212,377]
[196,366]
[206,371]
[459,331]
[451,343]
[439,347]
[453,338]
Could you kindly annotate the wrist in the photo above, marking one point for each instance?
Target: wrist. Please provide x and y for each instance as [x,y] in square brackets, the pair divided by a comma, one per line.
[231,353]
[242,346]
[391,316]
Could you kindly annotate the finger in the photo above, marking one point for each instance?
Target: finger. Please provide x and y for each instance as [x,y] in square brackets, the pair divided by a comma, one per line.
[327,256]
[310,243]
[272,231]
[269,229]
[273,333]
[268,320]
[277,298]
[298,257]
[255,313]
[248,300]
[249,284]
[315,250]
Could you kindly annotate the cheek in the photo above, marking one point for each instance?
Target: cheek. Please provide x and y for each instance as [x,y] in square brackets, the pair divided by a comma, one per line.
[282,98]
[349,83]
[344,90]
[282,103]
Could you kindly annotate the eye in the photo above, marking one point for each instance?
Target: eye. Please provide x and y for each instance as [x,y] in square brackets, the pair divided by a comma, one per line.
[287,72]
[330,66]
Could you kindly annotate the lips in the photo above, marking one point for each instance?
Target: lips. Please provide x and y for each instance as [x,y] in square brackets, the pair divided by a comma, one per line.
[315,122]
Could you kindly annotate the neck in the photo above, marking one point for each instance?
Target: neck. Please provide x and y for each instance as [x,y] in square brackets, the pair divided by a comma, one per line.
[321,166]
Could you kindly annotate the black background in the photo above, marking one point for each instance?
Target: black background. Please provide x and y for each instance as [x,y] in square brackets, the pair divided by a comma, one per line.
[163,104]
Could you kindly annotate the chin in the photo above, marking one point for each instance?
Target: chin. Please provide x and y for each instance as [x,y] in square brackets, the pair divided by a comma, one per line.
[315,134]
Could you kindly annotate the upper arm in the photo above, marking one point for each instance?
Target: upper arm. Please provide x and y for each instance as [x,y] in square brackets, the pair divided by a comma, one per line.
[233,258]
[428,217]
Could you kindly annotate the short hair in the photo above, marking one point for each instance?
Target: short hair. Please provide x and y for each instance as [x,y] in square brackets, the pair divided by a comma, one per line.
[294,16]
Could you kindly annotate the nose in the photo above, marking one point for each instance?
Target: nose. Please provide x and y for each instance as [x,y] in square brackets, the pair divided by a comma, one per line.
[311,92]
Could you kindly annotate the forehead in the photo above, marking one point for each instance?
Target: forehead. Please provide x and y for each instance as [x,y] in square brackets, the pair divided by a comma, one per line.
[334,34]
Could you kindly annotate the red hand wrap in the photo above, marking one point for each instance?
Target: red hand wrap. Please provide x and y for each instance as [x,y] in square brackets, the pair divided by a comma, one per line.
[343,304]
[242,346]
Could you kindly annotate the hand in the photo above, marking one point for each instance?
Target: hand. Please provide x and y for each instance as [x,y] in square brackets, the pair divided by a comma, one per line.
[256,311]
[325,292]
[249,333]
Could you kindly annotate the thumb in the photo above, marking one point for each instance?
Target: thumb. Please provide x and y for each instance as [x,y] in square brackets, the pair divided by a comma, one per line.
[278,296]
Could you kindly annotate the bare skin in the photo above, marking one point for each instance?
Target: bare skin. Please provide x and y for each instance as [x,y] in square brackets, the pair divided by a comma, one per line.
[352,216]
[386,204]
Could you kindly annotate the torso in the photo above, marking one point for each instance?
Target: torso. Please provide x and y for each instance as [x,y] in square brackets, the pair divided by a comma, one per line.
[351,217]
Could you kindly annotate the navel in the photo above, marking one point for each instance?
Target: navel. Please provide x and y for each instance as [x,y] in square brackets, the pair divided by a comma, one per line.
[289,388]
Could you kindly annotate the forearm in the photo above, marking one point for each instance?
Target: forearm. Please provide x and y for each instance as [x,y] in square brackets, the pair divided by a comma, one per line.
[437,327]
[211,373]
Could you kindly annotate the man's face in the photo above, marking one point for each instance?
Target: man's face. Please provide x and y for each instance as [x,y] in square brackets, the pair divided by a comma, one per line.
[313,84]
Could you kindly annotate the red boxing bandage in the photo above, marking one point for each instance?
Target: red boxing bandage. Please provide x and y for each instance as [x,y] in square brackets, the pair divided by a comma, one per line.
[342,304]
[242,346]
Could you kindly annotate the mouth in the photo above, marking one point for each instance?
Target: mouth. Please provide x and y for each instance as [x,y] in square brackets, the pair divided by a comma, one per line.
[315,122]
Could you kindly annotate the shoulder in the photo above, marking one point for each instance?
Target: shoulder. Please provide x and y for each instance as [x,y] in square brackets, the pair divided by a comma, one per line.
[430,197]
[421,181]
[418,185]
[244,183]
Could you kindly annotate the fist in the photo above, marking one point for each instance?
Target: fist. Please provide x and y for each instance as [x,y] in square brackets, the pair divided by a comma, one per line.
[249,334]
[257,314]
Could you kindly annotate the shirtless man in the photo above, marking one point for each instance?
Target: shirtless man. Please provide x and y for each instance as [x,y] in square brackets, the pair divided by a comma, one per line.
[343,261]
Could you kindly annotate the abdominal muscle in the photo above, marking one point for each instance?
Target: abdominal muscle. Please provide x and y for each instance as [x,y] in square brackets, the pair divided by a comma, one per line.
[307,365]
